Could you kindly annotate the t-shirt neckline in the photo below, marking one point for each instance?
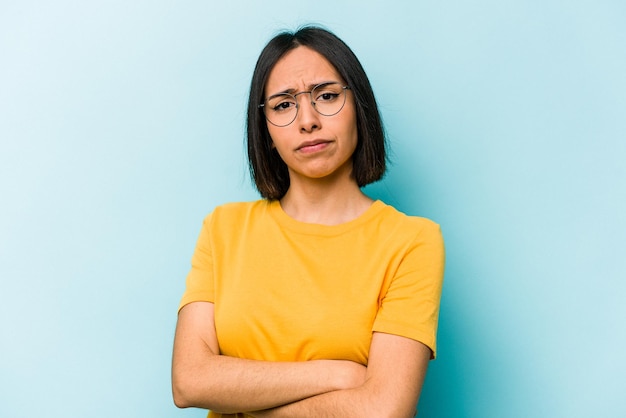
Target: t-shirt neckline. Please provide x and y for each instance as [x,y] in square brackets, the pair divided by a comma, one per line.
[286,221]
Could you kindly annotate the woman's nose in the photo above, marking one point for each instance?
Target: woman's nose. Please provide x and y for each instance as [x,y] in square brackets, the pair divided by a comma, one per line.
[307,117]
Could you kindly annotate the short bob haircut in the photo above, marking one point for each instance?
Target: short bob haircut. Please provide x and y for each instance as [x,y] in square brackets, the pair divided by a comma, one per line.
[268,170]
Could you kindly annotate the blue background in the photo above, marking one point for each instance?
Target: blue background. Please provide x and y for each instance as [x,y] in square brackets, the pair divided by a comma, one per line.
[121,126]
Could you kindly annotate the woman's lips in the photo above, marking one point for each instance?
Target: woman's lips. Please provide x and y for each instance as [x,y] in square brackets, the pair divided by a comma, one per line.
[312,146]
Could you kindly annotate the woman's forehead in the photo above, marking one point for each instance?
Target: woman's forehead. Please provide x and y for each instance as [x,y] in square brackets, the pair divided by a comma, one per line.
[300,69]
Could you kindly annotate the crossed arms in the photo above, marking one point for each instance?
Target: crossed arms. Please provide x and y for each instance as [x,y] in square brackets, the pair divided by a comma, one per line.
[389,386]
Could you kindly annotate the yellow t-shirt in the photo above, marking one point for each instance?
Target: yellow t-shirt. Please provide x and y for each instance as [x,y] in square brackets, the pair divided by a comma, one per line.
[284,290]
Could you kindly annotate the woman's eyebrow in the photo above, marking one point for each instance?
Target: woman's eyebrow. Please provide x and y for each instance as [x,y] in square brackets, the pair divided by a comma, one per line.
[309,87]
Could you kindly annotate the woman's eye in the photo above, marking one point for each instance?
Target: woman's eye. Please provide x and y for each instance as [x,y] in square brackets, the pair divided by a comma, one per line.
[283,106]
[326,96]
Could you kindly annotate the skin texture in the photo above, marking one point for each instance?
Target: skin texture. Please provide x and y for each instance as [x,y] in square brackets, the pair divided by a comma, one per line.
[321,191]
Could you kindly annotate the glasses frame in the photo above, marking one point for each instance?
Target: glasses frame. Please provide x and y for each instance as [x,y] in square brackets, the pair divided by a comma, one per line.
[313,104]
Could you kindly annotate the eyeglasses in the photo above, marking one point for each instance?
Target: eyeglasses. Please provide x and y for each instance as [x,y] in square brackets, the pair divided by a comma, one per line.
[327,99]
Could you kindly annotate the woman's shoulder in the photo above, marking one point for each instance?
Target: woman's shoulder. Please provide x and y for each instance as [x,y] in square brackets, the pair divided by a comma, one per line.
[408,228]
[236,211]
[396,216]
[237,207]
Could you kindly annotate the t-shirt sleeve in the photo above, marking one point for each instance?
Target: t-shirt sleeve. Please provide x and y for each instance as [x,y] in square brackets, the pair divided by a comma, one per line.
[199,282]
[410,307]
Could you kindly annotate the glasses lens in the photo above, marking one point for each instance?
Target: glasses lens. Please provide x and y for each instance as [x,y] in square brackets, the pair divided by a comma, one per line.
[329,98]
[281,109]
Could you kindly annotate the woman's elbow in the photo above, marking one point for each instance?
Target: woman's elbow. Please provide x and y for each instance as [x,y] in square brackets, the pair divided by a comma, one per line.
[180,394]
[186,394]
[185,387]
[181,402]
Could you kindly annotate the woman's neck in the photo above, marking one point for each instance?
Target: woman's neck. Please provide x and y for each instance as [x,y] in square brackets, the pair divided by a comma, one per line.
[325,202]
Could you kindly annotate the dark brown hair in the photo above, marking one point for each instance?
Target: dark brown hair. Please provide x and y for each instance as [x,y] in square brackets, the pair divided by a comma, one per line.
[267,169]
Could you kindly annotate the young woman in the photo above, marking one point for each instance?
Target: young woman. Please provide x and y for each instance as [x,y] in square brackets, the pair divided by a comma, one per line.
[315,301]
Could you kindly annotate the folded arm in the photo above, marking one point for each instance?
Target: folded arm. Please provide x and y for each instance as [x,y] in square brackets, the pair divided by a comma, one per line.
[203,378]
[395,374]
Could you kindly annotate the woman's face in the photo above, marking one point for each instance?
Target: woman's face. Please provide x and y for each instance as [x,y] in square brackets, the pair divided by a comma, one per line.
[313,146]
